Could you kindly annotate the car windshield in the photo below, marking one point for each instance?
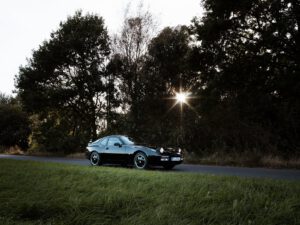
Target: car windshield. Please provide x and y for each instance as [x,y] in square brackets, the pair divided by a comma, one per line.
[127,140]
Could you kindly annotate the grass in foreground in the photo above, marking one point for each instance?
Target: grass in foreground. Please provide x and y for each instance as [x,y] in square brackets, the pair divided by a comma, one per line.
[49,193]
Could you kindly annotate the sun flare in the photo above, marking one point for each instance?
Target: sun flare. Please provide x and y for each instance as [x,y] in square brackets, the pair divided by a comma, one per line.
[182,97]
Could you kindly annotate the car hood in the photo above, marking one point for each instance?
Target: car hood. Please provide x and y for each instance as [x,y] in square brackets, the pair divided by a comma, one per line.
[142,147]
[167,151]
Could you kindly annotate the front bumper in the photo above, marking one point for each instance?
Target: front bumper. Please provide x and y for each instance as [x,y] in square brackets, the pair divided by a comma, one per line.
[165,160]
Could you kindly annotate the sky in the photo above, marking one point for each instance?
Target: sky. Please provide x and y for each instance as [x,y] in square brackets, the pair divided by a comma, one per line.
[24,25]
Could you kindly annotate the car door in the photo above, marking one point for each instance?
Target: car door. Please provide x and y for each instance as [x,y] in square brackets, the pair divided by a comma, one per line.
[102,144]
[115,151]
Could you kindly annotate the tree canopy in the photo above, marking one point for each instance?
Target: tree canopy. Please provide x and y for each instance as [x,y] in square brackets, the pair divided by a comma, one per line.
[65,80]
[14,123]
[239,64]
[248,59]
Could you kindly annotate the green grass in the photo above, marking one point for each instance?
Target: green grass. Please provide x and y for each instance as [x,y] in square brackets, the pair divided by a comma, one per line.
[52,193]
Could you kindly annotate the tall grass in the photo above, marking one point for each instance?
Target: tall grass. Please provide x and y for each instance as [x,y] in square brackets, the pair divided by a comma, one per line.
[50,193]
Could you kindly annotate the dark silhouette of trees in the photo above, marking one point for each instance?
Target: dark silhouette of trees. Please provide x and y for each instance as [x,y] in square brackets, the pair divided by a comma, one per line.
[65,82]
[130,48]
[14,123]
[247,54]
[240,62]
[166,71]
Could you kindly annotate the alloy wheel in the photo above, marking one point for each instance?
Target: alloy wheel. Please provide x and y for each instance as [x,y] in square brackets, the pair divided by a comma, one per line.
[140,161]
[95,159]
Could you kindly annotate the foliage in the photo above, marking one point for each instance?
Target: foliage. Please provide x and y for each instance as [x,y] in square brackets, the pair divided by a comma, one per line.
[247,53]
[166,72]
[130,48]
[14,123]
[65,82]
[240,62]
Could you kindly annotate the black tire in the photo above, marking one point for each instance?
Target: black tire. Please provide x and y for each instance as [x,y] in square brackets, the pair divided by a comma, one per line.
[168,167]
[95,159]
[140,161]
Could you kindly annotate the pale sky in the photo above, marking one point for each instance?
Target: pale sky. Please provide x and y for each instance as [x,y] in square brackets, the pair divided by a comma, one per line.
[24,25]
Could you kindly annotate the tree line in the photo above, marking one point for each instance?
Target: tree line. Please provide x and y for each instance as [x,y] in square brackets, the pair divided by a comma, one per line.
[239,63]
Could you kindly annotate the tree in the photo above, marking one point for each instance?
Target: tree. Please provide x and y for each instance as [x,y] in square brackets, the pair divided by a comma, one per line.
[167,71]
[247,55]
[129,51]
[65,80]
[14,123]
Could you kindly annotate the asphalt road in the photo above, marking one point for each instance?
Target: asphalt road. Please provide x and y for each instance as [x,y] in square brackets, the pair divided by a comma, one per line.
[284,174]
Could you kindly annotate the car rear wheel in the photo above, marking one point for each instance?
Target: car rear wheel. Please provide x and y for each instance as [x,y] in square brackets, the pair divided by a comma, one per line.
[168,167]
[140,161]
[95,159]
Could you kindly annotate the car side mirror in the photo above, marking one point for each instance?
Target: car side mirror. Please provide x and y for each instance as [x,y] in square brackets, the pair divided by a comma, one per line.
[118,144]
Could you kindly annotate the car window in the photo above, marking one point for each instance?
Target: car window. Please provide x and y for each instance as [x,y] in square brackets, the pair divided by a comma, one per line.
[113,140]
[127,140]
[103,141]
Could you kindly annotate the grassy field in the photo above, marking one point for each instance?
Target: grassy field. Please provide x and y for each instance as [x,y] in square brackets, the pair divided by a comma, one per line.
[50,193]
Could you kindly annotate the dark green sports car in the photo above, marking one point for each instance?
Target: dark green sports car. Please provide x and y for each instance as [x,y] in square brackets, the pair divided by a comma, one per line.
[119,149]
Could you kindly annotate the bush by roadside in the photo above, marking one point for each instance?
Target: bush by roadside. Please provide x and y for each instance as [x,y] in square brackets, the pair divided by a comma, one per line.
[245,159]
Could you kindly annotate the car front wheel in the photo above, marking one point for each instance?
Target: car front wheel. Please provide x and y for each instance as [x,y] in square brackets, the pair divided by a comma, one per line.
[140,161]
[95,159]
